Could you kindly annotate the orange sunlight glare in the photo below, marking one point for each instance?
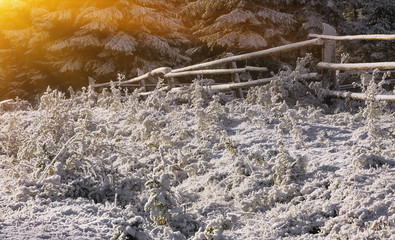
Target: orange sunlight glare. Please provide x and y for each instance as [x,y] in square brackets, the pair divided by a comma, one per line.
[3,4]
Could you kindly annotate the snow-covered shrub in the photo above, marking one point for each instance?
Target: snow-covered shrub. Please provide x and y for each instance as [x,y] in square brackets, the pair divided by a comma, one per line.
[11,136]
[185,224]
[242,167]
[132,229]
[65,152]
[374,108]
[286,168]
[162,203]
[214,229]
[58,117]
[289,119]
[209,110]
[365,158]
[280,176]
[198,101]
[289,87]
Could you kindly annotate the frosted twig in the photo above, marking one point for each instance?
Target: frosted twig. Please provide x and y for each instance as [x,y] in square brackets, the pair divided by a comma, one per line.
[56,157]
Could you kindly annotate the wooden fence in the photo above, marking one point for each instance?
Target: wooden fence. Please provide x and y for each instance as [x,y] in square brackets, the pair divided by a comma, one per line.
[327,41]
[328,64]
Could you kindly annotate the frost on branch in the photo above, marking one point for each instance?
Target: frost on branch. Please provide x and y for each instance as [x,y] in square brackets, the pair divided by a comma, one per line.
[84,42]
[245,40]
[101,19]
[72,65]
[122,42]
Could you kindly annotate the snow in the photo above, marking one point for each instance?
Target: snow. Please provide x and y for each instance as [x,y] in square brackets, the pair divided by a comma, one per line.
[195,165]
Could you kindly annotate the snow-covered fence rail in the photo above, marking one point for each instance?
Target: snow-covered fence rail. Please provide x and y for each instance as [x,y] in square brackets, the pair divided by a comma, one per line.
[215,71]
[167,73]
[357,96]
[355,37]
[6,101]
[155,72]
[254,83]
[170,74]
[356,66]
[351,86]
[238,85]
[257,54]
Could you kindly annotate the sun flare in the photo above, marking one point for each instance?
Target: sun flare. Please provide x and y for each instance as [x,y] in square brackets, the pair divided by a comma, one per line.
[3,4]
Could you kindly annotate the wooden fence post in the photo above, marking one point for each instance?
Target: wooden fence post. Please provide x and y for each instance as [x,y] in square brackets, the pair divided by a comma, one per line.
[170,80]
[235,77]
[142,82]
[329,56]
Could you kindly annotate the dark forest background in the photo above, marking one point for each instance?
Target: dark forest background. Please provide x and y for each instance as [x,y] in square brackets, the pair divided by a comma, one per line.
[62,43]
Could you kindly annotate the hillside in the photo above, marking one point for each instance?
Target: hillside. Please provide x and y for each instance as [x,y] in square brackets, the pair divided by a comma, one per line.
[197,165]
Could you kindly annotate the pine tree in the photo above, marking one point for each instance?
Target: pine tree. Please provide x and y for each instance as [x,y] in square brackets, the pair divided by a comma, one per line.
[379,18]
[20,63]
[239,25]
[119,37]
[369,17]
[63,43]
[248,25]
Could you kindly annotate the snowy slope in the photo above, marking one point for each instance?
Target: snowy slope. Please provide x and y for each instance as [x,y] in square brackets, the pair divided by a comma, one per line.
[196,166]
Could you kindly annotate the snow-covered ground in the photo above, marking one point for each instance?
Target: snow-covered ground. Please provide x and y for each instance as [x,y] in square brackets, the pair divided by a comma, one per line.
[196,166]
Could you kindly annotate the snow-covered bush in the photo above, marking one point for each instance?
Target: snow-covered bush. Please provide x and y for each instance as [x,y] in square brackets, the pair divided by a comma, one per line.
[11,137]
[286,169]
[161,203]
[365,158]
[289,87]
[214,229]
[132,229]
[374,108]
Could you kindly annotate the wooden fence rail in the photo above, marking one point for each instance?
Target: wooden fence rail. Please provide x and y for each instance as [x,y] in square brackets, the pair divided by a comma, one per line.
[235,86]
[256,54]
[254,83]
[155,72]
[357,96]
[356,66]
[351,86]
[215,71]
[165,70]
[388,37]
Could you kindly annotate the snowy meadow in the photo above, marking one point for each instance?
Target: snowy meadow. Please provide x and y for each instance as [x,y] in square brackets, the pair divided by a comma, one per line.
[283,163]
